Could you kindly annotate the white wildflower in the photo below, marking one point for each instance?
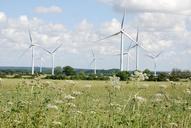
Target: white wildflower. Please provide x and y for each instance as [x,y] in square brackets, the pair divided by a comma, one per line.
[72,105]
[10,103]
[59,101]
[114,80]
[76,93]
[16,121]
[79,112]
[57,123]
[50,106]
[69,97]
[173,124]
[189,108]
[188,91]
[92,112]
[140,99]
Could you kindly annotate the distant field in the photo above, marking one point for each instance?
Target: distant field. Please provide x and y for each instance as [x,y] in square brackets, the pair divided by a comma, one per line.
[102,104]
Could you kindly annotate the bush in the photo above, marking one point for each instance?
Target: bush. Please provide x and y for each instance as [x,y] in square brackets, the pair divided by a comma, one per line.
[124,75]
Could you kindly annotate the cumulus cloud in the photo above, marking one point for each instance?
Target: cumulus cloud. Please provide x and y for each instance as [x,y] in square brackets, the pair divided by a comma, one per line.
[170,6]
[44,10]
[3,17]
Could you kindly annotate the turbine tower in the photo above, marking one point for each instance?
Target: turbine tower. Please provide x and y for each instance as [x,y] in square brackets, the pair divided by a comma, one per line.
[94,61]
[137,50]
[121,33]
[154,58]
[52,53]
[128,54]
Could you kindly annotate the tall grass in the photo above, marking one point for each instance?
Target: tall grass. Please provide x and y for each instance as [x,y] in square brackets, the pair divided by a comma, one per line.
[84,104]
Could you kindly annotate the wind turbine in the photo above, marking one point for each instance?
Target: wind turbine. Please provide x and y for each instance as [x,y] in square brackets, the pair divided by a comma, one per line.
[52,53]
[127,53]
[94,61]
[31,46]
[154,57]
[121,32]
[137,46]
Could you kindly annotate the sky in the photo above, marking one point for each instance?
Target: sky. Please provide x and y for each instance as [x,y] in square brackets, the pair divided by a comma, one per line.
[164,26]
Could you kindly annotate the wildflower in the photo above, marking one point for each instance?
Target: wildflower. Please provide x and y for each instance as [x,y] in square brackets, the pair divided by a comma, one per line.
[69,97]
[17,122]
[92,112]
[76,93]
[59,101]
[72,105]
[50,106]
[114,80]
[57,123]
[10,103]
[189,108]
[140,99]
[188,91]
[79,112]
[159,95]
[173,124]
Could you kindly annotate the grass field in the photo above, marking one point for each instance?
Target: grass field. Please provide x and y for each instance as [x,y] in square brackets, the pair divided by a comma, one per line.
[94,104]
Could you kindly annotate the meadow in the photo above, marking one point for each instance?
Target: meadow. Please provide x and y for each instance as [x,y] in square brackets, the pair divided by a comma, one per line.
[94,104]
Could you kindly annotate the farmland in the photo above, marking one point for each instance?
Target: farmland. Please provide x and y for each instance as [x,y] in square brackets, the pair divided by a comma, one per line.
[102,104]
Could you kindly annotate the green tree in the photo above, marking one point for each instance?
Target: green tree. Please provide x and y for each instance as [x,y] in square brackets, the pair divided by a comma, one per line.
[69,71]
[124,75]
[163,76]
[58,70]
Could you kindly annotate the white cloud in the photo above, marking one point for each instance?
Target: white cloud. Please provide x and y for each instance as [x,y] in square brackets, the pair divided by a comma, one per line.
[182,6]
[44,10]
[3,17]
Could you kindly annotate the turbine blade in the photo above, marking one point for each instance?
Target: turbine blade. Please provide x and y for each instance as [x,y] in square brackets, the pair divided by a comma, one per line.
[46,50]
[159,54]
[92,62]
[57,48]
[123,19]
[108,36]
[127,35]
[150,56]
[93,53]
[30,36]
[24,52]
[137,37]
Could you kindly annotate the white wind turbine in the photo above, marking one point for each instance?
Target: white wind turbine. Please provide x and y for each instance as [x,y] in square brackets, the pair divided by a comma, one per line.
[31,46]
[127,53]
[137,46]
[121,32]
[154,58]
[52,53]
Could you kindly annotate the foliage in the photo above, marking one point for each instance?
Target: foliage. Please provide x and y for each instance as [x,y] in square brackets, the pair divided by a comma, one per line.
[124,75]
[69,71]
[58,70]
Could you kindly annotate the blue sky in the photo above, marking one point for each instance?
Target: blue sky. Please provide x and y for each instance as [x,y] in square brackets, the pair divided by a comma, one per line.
[80,22]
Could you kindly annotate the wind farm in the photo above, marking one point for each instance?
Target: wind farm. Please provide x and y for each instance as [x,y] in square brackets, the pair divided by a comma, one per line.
[95,64]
